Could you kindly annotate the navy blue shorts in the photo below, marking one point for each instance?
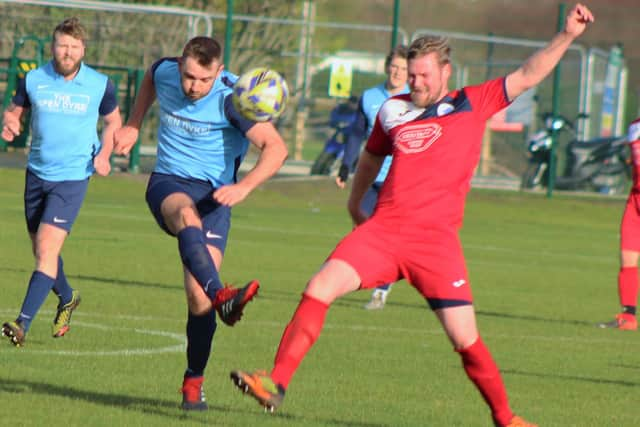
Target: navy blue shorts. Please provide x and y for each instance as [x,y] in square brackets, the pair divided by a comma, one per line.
[216,218]
[55,203]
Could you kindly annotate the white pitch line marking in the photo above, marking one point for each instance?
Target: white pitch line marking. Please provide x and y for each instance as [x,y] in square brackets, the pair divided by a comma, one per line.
[178,348]
[587,340]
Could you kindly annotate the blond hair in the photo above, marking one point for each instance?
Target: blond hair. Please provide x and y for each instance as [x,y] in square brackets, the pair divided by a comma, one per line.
[428,44]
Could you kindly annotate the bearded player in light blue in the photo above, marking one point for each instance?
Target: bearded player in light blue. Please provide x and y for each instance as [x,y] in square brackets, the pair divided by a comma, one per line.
[372,99]
[66,99]
[202,140]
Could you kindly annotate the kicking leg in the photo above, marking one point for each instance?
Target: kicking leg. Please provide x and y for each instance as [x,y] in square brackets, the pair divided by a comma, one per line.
[460,325]
[335,278]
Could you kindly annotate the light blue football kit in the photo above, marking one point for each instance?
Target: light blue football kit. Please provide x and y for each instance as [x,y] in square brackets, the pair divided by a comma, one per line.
[370,103]
[201,142]
[372,100]
[64,118]
[200,139]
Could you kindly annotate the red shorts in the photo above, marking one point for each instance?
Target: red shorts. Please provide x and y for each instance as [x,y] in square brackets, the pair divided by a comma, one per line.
[431,260]
[630,225]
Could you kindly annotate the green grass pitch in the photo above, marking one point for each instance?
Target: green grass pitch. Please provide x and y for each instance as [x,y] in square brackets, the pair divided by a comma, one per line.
[543,273]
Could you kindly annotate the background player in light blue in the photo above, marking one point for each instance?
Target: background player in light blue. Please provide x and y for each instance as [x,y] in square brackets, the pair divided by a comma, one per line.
[66,98]
[201,142]
[370,102]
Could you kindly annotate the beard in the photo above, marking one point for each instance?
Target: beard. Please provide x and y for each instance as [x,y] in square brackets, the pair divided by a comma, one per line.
[67,67]
[422,99]
[194,96]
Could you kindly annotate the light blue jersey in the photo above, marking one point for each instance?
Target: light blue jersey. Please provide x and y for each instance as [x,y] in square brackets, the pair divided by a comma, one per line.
[64,118]
[372,100]
[202,139]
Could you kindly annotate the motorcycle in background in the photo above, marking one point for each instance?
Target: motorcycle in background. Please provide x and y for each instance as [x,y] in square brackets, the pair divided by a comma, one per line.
[341,118]
[599,164]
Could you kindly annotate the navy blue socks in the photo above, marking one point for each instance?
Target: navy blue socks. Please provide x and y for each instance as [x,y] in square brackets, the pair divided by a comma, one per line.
[200,330]
[196,257]
[61,287]
[39,287]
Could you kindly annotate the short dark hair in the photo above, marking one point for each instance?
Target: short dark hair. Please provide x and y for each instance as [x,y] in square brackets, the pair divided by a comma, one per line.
[71,27]
[205,50]
[399,51]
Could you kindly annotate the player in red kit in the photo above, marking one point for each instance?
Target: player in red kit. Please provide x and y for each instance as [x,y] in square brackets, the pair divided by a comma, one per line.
[629,244]
[434,136]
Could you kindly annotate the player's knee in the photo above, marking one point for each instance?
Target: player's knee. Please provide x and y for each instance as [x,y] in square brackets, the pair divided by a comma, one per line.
[324,288]
[629,258]
[46,255]
[188,217]
[317,289]
[47,262]
[181,217]
[462,340]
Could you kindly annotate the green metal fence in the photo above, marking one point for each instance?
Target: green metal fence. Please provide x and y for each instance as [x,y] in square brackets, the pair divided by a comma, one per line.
[18,66]
[302,42]
[126,80]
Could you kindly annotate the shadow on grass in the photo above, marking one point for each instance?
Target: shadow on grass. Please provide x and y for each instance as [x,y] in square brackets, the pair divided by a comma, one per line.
[139,404]
[357,303]
[556,376]
[108,280]
[347,301]
[534,318]
[159,407]
[621,365]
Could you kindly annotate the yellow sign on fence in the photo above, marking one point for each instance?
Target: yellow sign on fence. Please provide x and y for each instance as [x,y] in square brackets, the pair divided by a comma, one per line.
[340,79]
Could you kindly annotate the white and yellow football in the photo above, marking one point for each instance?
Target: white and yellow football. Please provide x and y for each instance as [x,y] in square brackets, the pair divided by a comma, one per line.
[260,94]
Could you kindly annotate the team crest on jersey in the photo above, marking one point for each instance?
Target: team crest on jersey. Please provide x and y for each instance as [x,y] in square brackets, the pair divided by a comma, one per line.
[417,138]
[444,109]
[395,112]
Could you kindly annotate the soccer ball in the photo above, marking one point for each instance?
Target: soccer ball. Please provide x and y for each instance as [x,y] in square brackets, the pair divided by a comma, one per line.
[260,94]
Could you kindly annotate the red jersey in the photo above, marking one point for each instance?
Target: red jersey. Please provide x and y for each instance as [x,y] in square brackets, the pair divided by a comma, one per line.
[633,137]
[435,152]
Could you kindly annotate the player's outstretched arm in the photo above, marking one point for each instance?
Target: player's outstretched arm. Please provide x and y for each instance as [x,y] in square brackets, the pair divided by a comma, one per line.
[11,122]
[355,136]
[125,137]
[541,63]
[112,122]
[273,153]
[368,167]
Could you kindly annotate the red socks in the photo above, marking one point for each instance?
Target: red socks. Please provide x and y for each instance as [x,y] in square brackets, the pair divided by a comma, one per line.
[482,370]
[628,286]
[305,326]
[301,333]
